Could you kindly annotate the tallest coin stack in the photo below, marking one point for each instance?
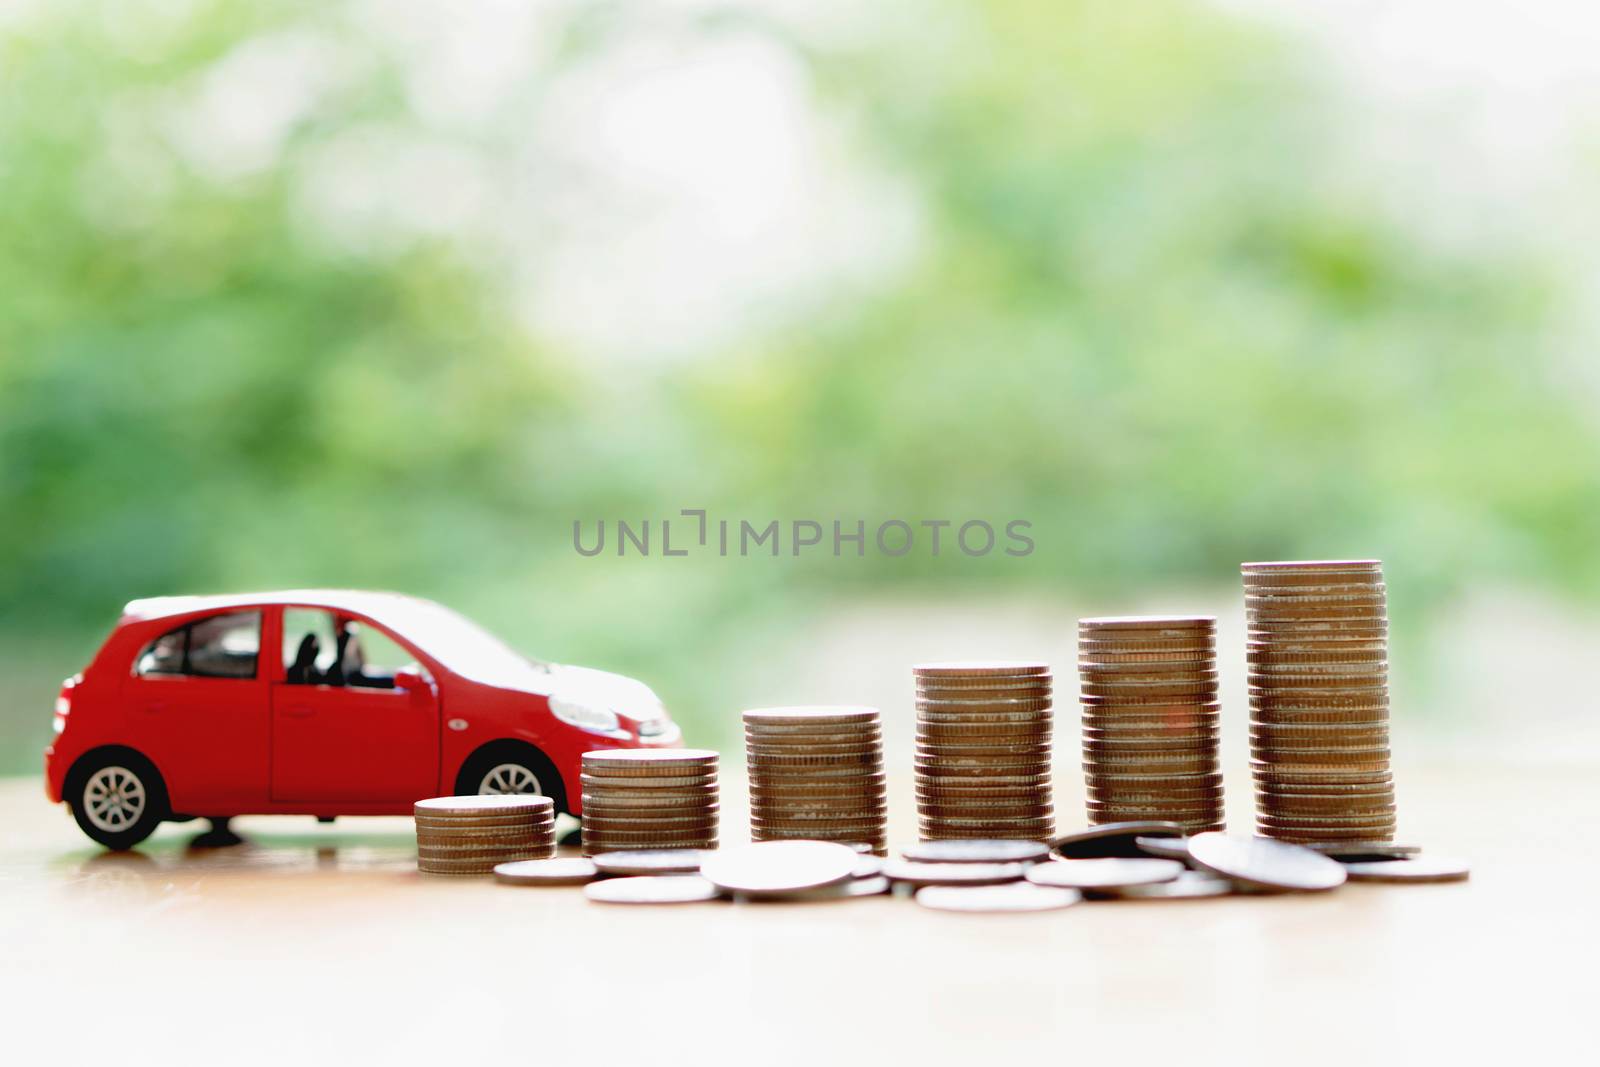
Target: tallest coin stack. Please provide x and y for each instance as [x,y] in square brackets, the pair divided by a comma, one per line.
[1319,700]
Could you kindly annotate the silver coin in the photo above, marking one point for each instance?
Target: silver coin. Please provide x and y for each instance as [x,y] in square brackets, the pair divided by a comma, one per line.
[1103,873]
[1015,897]
[1190,885]
[562,871]
[867,866]
[1263,863]
[779,866]
[652,889]
[976,850]
[1111,840]
[913,873]
[650,861]
[875,885]
[1352,851]
[1168,848]
[1414,869]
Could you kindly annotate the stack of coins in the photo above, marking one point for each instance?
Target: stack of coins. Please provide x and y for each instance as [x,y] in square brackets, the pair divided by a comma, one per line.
[470,835]
[1319,700]
[635,798]
[1150,719]
[817,773]
[983,750]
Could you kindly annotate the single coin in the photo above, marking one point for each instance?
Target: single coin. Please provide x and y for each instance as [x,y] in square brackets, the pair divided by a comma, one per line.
[1103,873]
[1029,709]
[1364,850]
[981,825]
[917,873]
[616,759]
[1302,834]
[566,870]
[814,714]
[435,843]
[488,824]
[494,855]
[1103,623]
[481,805]
[964,688]
[600,784]
[652,889]
[1190,885]
[461,835]
[1112,839]
[779,866]
[649,861]
[1014,897]
[1167,848]
[976,850]
[1021,812]
[868,886]
[980,668]
[1264,863]
[1410,869]
[645,800]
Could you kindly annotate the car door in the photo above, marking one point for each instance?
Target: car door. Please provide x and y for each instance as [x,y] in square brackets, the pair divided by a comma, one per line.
[196,702]
[342,732]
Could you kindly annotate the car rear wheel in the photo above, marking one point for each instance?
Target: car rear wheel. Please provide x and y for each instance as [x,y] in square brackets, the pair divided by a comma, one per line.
[118,799]
[512,768]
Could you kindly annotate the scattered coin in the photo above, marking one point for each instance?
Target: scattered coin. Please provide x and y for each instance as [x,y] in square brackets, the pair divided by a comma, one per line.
[1363,850]
[1170,848]
[1112,839]
[1189,885]
[779,866]
[652,889]
[976,850]
[1103,873]
[913,873]
[649,861]
[870,886]
[1265,863]
[1015,897]
[561,871]
[1414,869]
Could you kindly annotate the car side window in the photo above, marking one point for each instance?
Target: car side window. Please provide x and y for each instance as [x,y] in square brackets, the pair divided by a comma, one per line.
[221,646]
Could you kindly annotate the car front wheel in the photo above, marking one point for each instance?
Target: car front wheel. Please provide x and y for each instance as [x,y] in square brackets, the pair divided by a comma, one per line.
[118,800]
[513,768]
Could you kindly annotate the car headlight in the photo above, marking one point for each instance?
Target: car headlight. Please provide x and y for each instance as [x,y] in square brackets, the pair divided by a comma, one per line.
[585,716]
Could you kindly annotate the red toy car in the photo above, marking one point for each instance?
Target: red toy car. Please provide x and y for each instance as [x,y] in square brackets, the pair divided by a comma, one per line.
[362,704]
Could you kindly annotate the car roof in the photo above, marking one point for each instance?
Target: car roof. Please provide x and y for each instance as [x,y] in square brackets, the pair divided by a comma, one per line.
[356,601]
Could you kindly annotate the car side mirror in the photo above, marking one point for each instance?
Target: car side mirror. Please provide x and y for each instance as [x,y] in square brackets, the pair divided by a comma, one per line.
[413,683]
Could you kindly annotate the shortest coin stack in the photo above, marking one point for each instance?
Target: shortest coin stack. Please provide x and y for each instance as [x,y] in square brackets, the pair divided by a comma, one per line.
[471,834]
[816,773]
[649,798]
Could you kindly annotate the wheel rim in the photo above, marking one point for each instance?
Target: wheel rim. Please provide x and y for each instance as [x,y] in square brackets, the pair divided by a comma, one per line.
[510,778]
[113,799]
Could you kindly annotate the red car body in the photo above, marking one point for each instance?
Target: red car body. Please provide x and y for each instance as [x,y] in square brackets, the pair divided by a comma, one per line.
[276,736]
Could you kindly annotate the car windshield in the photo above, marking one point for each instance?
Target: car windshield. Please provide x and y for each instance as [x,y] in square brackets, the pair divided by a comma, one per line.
[462,645]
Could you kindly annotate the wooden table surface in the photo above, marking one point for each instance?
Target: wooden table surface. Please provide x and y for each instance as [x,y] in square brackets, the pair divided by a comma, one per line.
[322,944]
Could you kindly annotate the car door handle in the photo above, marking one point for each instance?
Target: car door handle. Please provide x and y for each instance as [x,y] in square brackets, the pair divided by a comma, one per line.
[298,711]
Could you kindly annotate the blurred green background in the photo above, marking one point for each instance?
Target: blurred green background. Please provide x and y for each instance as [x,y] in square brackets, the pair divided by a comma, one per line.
[389,294]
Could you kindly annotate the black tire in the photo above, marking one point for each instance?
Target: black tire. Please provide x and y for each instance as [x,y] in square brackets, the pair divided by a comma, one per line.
[512,754]
[117,797]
